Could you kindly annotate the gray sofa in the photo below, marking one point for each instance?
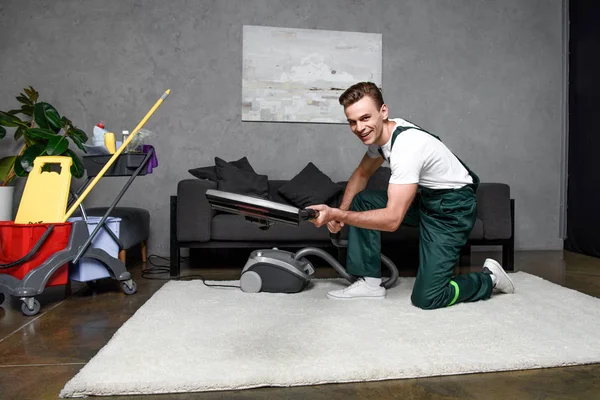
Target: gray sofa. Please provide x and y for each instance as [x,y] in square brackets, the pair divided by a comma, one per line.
[195,225]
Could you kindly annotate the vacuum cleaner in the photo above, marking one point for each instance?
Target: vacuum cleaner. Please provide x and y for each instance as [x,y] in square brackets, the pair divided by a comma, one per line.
[274,270]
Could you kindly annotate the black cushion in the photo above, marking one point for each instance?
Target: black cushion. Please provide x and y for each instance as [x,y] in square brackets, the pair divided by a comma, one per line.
[380,180]
[236,180]
[210,173]
[274,185]
[311,186]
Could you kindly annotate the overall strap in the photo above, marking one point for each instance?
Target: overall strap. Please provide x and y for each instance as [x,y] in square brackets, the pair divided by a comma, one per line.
[395,134]
[401,129]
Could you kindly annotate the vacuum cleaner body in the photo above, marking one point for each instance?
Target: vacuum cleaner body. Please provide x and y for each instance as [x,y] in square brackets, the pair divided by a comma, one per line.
[275,271]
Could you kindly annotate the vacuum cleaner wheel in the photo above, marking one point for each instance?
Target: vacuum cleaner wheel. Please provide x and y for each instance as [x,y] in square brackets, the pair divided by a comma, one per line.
[250,282]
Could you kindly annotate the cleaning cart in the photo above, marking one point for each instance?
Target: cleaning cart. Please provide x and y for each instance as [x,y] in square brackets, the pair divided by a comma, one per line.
[40,245]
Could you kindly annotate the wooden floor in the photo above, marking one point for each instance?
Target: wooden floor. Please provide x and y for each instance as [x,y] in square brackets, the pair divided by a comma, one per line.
[38,355]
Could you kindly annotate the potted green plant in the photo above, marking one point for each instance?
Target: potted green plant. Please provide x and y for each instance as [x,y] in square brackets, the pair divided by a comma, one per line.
[42,131]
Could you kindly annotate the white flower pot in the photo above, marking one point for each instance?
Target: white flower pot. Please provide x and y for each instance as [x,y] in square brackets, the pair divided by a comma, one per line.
[6,202]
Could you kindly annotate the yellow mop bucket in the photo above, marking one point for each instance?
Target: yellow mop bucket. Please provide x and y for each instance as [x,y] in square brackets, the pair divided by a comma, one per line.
[46,191]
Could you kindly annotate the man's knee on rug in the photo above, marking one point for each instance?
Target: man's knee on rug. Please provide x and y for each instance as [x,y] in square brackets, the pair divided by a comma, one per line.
[431,299]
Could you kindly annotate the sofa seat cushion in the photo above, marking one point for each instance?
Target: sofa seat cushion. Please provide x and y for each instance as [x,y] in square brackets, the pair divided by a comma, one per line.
[235,228]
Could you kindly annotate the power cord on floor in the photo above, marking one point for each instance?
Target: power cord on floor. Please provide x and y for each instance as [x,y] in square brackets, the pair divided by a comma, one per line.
[158,270]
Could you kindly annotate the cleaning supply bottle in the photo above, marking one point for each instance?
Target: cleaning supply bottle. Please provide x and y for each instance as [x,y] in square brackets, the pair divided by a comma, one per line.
[98,136]
[109,142]
[124,138]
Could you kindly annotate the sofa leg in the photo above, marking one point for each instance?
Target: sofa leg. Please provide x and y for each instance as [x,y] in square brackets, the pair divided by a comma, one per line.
[122,256]
[508,250]
[465,256]
[175,263]
[144,251]
[175,250]
[508,257]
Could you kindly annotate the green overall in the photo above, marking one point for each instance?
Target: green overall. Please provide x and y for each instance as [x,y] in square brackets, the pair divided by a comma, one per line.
[445,218]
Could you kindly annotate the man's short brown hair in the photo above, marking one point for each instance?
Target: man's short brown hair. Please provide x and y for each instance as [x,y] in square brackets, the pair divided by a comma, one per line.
[359,90]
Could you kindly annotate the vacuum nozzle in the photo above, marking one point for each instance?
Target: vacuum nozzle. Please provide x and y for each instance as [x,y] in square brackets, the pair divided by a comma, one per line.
[307,214]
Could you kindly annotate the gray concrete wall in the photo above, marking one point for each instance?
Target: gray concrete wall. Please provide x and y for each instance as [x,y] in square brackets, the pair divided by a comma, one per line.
[484,75]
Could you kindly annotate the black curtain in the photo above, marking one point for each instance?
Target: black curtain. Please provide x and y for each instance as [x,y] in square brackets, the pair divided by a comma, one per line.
[583,198]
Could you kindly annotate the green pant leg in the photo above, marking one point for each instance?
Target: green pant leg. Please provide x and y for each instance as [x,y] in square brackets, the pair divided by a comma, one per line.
[364,245]
[446,222]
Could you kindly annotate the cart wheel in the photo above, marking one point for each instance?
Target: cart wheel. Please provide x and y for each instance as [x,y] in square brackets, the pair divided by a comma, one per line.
[27,311]
[127,289]
[2,298]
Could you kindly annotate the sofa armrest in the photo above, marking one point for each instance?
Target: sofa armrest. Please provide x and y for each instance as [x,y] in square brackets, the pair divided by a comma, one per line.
[493,208]
[194,213]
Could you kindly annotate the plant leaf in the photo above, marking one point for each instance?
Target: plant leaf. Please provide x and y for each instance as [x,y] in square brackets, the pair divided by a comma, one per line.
[27,110]
[19,171]
[5,166]
[24,100]
[79,134]
[9,120]
[78,142]
[77,169]
[24,163]
[20,132]
[46,116]
[2,132]
[64,121]
[33,95]
[30,142]
[57,145]
[39,133]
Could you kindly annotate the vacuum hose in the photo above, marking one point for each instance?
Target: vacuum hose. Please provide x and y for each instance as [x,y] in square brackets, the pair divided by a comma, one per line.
[338,267]
[313,251]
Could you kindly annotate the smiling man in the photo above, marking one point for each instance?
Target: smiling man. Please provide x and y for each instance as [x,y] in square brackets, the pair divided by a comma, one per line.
[429,188]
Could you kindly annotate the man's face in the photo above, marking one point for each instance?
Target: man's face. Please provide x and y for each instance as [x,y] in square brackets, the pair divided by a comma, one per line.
[366,120]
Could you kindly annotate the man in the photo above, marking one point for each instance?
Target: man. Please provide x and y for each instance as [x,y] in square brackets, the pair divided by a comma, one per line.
[429,188]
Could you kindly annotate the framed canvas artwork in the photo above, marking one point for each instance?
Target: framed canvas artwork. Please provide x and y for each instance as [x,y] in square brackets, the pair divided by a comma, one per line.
[297,75]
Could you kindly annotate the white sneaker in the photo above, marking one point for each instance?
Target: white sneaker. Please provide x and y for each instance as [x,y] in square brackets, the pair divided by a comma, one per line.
[503,283]
[358,290]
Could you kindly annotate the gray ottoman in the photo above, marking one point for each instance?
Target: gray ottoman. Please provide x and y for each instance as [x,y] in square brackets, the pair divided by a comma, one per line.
[134,228]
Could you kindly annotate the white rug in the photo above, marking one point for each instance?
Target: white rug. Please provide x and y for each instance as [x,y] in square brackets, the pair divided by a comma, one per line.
[189,337]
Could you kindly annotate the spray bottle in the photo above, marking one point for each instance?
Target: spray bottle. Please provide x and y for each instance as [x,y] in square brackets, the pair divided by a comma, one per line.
[98,136]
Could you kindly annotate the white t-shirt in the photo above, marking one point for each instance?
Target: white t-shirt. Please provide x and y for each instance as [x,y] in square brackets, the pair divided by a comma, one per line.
[418,157]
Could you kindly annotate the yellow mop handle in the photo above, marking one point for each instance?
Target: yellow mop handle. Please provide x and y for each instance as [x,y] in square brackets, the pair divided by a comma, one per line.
[114,156]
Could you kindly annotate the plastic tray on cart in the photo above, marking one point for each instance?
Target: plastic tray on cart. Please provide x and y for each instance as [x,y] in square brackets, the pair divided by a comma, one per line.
[124,165]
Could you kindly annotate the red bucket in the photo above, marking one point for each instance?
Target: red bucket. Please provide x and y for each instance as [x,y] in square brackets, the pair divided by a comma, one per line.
[16,240]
